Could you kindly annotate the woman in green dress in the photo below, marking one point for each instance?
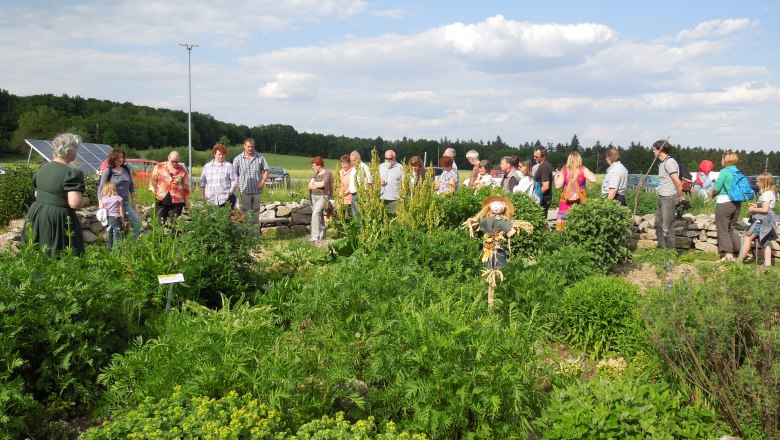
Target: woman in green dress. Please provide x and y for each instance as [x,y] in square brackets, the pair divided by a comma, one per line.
[52,219]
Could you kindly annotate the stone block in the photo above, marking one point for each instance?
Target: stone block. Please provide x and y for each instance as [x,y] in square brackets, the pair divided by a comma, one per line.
[706,247]
[637,219]
[703,236]
[646,244]
[89,236]
[679,231]
[301,219]
[774,245]
[305,202]
[96,227]
[680,224]
[683,243]
[692,233]
[712,234]
[16,224]
[712,227]
[693,226]
[649,235]
[283,211]
[300,229]
[266,215]
[275,231]
[649,218]
[306,210]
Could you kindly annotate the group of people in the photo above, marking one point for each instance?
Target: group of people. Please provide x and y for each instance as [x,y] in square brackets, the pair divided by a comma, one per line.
[59,191]
[727,205]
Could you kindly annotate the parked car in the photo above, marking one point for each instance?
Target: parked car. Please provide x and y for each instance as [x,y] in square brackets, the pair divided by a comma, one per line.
[279,176]
[753,180]
[140,168]
[651,183]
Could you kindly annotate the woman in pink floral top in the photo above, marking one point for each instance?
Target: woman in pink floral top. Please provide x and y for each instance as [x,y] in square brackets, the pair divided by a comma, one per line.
[171,186]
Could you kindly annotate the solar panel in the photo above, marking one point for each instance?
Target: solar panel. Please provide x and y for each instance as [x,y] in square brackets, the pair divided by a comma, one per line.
[89,157]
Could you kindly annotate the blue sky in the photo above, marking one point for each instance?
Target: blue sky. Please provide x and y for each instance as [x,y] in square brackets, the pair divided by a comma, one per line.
[704,73]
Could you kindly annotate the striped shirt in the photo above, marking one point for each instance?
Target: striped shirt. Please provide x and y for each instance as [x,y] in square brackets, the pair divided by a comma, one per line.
[219,181]
[250,172]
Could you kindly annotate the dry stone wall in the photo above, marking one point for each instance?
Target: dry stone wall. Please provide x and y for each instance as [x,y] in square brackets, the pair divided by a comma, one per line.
[693,232]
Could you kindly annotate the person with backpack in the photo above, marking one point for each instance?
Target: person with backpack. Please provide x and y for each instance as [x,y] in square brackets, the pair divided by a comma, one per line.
[615,182]
[572,179]
[730,190]
[670,194]
[526,184]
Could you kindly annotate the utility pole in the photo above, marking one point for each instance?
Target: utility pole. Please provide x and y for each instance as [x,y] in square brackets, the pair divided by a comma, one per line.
[189,47]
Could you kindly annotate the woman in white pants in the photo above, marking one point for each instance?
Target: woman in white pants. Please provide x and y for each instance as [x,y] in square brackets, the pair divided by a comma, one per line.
[320,191]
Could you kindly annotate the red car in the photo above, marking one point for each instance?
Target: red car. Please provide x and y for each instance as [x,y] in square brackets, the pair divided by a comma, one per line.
[140,168]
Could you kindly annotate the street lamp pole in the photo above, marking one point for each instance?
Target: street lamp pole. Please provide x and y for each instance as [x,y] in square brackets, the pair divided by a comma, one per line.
[189,47]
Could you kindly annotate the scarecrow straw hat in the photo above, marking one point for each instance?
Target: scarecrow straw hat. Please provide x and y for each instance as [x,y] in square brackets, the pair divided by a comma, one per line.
[510,208]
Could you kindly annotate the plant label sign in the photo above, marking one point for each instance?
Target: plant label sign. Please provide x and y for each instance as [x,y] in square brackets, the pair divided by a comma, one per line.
[170,280]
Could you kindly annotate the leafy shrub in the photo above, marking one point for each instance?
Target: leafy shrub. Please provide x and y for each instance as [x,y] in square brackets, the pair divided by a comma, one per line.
[16,193]
[61,319]
[624,407]
[232,416]
[597,312]
[602,227]
[215,254]
[537,288]
[453,372]
[179,416]
[722,339]
[646,203]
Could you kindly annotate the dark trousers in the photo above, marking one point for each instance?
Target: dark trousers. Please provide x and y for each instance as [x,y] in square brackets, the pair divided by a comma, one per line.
[165,210]
[726,216]
[621,199]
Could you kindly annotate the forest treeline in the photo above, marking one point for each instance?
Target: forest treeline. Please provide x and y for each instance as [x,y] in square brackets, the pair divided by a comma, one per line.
[136,128]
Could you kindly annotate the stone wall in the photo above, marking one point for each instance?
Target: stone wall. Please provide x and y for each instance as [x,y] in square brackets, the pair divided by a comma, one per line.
[274,219]
[693,232]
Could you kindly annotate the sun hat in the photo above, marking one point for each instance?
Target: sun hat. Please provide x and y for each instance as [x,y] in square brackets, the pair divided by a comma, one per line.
[510,208]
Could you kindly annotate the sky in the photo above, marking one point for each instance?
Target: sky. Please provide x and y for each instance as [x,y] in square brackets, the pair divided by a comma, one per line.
[703,73]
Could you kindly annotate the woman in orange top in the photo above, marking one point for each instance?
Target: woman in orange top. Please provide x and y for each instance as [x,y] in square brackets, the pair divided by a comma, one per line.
[171,186]
[346,169]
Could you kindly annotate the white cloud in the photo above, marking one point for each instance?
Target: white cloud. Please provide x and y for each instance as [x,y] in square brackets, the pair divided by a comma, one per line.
[290,86]
[393,13]
[716,28]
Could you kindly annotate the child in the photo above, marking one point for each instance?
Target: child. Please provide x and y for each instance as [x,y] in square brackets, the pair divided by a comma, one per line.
[112,202]
[484,179]
[764,224]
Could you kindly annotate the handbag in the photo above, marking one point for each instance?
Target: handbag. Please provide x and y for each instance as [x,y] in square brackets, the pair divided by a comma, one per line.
[573,192]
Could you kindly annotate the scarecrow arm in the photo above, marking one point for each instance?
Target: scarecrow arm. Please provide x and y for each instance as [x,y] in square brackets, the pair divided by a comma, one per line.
[472,224]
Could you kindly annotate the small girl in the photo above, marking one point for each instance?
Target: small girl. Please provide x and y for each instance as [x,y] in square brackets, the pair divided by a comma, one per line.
[484,179]
[112,202]
[763,226]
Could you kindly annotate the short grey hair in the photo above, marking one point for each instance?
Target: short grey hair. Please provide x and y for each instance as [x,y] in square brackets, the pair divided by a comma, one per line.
[472,154]
[355,153]
[450,152]
[65,144]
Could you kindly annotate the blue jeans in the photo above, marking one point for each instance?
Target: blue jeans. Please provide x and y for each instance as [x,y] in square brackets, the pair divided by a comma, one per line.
[132,217]
[114,231]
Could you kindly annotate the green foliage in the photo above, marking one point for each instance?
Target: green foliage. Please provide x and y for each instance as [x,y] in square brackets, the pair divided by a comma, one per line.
[602,227]
[721,339]
[16,193]
[373,219]
[596,313]
[624,407]
[646,203]
[232,416]
[537,288]
[61,318]
[215,254]
[415,210]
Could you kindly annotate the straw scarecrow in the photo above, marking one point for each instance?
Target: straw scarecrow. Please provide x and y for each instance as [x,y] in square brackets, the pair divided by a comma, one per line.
[496,223]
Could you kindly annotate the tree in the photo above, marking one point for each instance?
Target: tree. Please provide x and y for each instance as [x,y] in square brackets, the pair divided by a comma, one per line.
[43,123]
[575,144]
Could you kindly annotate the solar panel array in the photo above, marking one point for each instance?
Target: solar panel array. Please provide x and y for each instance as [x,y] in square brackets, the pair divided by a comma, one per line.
[89,157]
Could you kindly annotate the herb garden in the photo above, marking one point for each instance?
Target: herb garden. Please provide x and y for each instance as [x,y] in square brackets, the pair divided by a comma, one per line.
[386,334]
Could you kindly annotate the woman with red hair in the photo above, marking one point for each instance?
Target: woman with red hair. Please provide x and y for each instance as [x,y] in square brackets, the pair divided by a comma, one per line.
[320,191]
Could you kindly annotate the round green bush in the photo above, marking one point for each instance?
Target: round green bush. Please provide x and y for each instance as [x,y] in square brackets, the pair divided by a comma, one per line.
[597,312]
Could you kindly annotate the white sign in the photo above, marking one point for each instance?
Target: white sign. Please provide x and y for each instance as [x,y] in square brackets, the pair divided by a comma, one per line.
[171,278]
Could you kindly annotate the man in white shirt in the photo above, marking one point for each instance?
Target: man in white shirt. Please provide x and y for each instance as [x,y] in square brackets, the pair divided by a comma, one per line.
[360,172]
[615,182]
[390,173]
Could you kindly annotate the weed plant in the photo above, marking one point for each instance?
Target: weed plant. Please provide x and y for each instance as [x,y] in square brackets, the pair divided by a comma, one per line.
[16,193]
[721,340]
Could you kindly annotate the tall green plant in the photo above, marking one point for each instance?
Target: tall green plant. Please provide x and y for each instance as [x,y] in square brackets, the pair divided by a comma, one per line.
[602,227]
[415,210]
[372,214]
